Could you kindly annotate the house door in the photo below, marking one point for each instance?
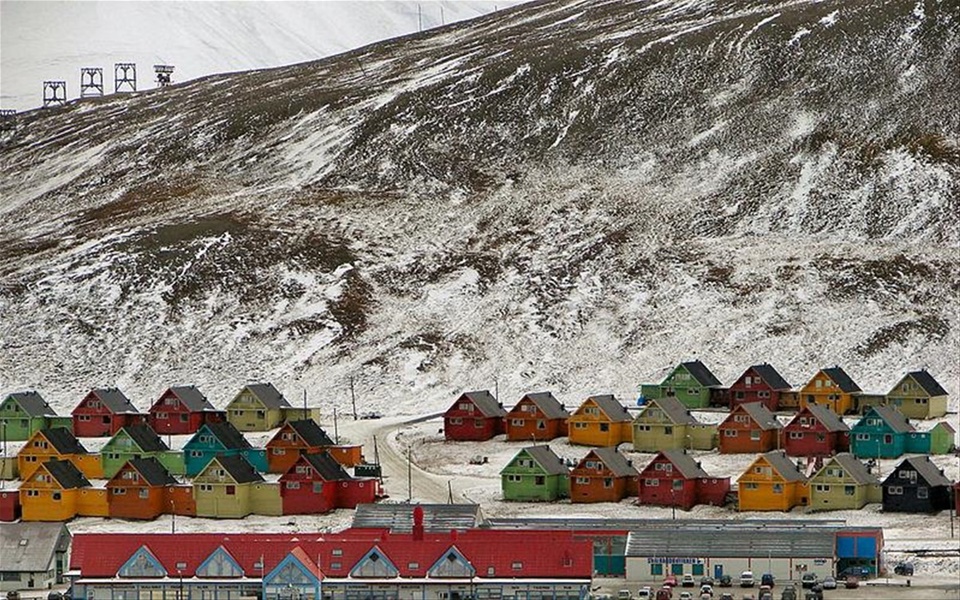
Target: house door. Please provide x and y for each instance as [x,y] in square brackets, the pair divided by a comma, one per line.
[717,572]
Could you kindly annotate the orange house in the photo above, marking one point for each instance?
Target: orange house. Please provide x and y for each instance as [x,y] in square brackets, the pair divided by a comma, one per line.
[832,388]
[58,443]
[603,475]
[749,429]
[52,492]
[140,490]
[772,482]
[537,416]
[306,437]
[600,421]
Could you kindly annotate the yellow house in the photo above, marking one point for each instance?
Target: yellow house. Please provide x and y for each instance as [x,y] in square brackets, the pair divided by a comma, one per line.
[258,407]
[666,423]
[600,421]
[52,492]
[919,396]
[58,443]
[224,488]
[833,388]
[772,482]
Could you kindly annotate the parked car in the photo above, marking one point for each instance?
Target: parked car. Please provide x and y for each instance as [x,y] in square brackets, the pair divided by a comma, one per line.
[13,595]
[829,583]
[808,580]
[664,593]
[788,593]
[706,580]
[746,579]
[706,589]
[861,572]
[726,596]
[904,569]
[813,595]
[54,595]
[766,579]
[687,580]
[726,581]
[670,581]
[645,593]
[685,595]
[851,583]
[624,595]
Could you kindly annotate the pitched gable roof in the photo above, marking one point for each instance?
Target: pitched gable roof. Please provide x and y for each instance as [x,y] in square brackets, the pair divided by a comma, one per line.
[191,397]
[759,413]
[145,438]
[268,395]
[787,469]
[33,404]
[229,435]
[326,466]
[151,470]
[63,440]
[31,546]
[547,459]
[701,373]
[614,461]
[771,377]
[115,400]
[924,467]
[239,469]
[310,433]
[485,403]
[66,474]
[827,417]
[927,382]
[893,417]
[611,407]
[843,381]
[684,463]
[548,405]
[854,468]
[673,409]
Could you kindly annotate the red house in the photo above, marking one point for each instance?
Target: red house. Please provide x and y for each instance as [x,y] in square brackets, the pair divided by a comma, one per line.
[603,475]
[475,416]
[815,431]
[537,416]
[673,478]
[759,383]
[182,410]
[103,412]
[140,490]
[317,483]
[749,429]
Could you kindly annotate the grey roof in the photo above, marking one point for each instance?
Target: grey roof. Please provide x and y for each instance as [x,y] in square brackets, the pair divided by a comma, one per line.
[760,414]
[928,383]
[66,474]
[438,518]
[310,433]
[893,417]
[674,409]
[152,471]
[701,373]
[30,546]
[239,469]
[547,459]
[854,468]
[115,400]
[787,469]
[485,403]
[684,463]
[614,461]
[328,468]
[771,377]
[840,377]
[611,407]
[733,541]
[268,395]
[621,524]
[146,438]
[924,467]
[548,405]
[229,435]
[33,404]
[194,400]
[830,419]
[64,441]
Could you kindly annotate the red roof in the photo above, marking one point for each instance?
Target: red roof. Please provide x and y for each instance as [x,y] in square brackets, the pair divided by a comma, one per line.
[539,553]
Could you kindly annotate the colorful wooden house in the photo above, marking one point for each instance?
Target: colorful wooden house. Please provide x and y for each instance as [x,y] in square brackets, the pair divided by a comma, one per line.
[603,475]
[536,417]
[881,433]
[691,383]
[181,410]
[759,383]
[10,508]
[674,478]
[220,439]
[916,485]
[665,424]
[257,407]
[771,482]
[140,489]
[600,421]
[138,441]
[57,443]
[24,413]
[306,437]
[919,396]
[318,483]
[535,474]
[749,429]
[224,488]
[103,412]
[52,492]
[815,431]
[832,388]
[474,416]
[843,483]
[938,439]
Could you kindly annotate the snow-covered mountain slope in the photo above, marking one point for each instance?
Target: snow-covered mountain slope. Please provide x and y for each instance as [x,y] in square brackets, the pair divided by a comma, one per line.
[565,195]
[54,40]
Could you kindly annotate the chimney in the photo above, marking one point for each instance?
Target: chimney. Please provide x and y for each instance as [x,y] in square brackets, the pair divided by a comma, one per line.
[418,523]
[453,534]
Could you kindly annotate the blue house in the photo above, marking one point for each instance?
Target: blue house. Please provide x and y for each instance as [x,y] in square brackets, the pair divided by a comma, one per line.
[881,433]
[214,439]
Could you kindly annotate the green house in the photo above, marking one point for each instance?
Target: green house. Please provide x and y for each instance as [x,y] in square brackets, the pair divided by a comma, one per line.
[138,441]
[258,407]
[919,396]
[843,483]
[24,413]
[691,383]
[666,424]
[535,474]
[939,439]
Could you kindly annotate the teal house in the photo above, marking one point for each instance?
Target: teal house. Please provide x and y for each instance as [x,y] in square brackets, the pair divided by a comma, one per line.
[214,439]
[939,439]
[22,414]
[882,433]
[691,383]
[138,441]
[535,474]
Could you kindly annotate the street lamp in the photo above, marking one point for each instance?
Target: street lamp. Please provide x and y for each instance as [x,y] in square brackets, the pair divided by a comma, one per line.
[180,591]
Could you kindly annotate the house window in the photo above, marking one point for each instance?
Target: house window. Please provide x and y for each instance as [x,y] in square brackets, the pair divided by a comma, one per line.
[656,569]
[604,426]
[579,425]
[33,493]
[206,487]
[888,439]
[317,487]
[541,425]
[293,485]
[478,423]
[144,493]
[849,490]
[55,496]
[741,395]
[583,481]
[729,433]
[539,480]
[119,491]
[755,435]
[303,470]
[196,453]
[668,430]
[591,464]
[337,552]
[778,488]
[692,391]
[796,435]
[517,422]
[678,484]
[607,482]
[162,415]
[514,478]
[491,571]
[923,492]
[863,437]
[741,418]
[651,482]
[413,566]
[763,394]
[643,428]
[465,407]
[895,490]
[822,488]
[335,566]
[456,421]
[286,435]
[84,418]
[517,566]
[279,451]
[231,490]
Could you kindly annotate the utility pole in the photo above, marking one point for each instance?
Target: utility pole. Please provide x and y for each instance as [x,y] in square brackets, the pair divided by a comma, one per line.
[336,430]
[353,399]
[449,492]
[304,404]
[419,17]
[409,475]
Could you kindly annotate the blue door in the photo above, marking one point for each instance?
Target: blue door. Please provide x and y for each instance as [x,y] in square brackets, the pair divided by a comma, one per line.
[717,572]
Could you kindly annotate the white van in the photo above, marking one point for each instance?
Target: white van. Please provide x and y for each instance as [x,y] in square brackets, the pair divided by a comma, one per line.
[746,579]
